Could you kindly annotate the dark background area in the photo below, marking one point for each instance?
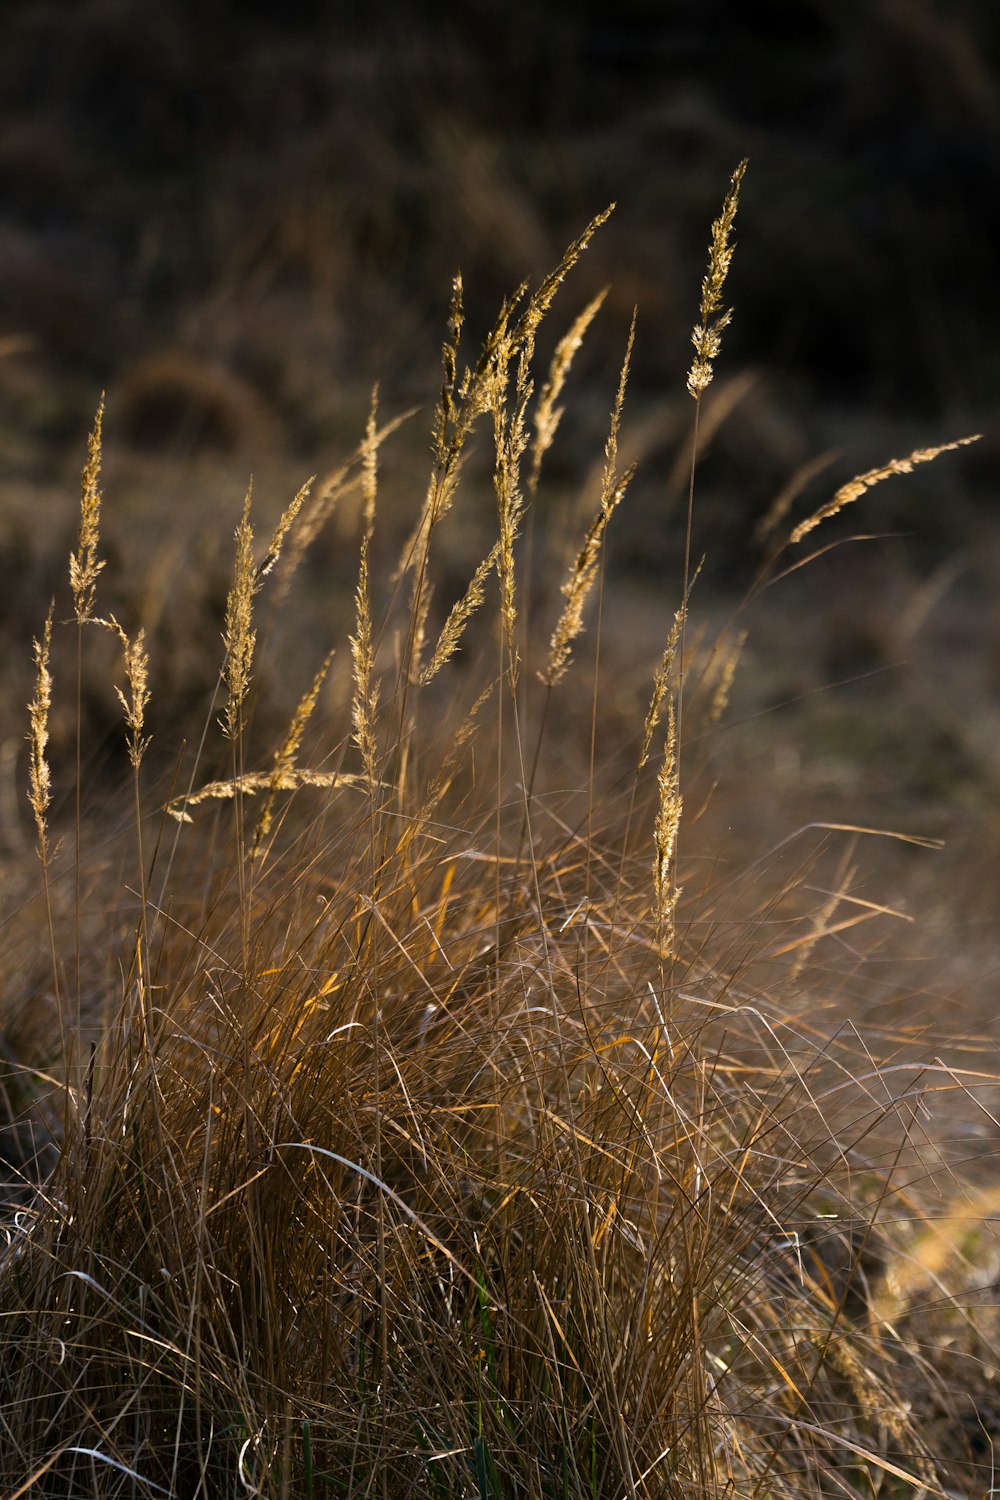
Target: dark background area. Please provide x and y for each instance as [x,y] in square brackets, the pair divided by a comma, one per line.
[234,214]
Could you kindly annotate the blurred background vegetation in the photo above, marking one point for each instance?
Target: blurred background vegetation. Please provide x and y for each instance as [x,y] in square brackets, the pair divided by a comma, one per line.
[274,200]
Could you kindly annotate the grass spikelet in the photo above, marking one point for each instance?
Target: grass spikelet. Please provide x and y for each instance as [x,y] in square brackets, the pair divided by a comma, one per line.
[610,482]
[510,429]
[662,676]
[459,616]
[547,414]
[483,390]
[511,440]
[249,783]
[420,609]
[84,564]
[285,755]
[707,334]
[577,587]
[583,572]
[239,635]
[541,300]
[319,506]
[39,774]
[137,680]
[665,830]
[286,521]
[444,416]
[480,391]
[857,486]
[364,706]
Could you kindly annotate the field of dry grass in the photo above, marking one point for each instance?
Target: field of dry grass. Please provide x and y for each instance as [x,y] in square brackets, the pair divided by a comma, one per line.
[456,1038]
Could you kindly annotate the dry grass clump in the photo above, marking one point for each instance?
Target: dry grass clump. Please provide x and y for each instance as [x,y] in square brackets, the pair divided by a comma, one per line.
[423,1149]
[174,400]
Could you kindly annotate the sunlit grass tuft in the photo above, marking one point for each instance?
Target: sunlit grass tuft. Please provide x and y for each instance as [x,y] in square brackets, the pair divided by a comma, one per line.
[427,1144]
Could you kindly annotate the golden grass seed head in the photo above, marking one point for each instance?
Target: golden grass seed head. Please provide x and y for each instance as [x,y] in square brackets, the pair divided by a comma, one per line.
[510,445]
[857,486]
[286,521]
[239,636]
[364,705]
[547,414]
[583,572]
[445,414]
[610,481]
[707,334]
[84,564]
[459,616]
[664,673]
[286,754]
[289,779]
[137,679]
[665,832]
[39,774]
[578,585]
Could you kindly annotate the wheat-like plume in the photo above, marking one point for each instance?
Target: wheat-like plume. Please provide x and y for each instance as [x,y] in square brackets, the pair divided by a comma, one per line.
[666,827]
[857,486]
[459,616]
[444,416]
[334,486]
[511,441]
[285,755]
[577,587]
[663,674]
[437,502]
[541,300]
[39,775]
[707,334]
[547,414]
[84,564]
[610,480]
[286,521]
[511,436]
[583,572]
[137,680]
[252,782]
[483,390]
[420,609]
[239,635]
[365,701]
[460,406]
[364,711]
